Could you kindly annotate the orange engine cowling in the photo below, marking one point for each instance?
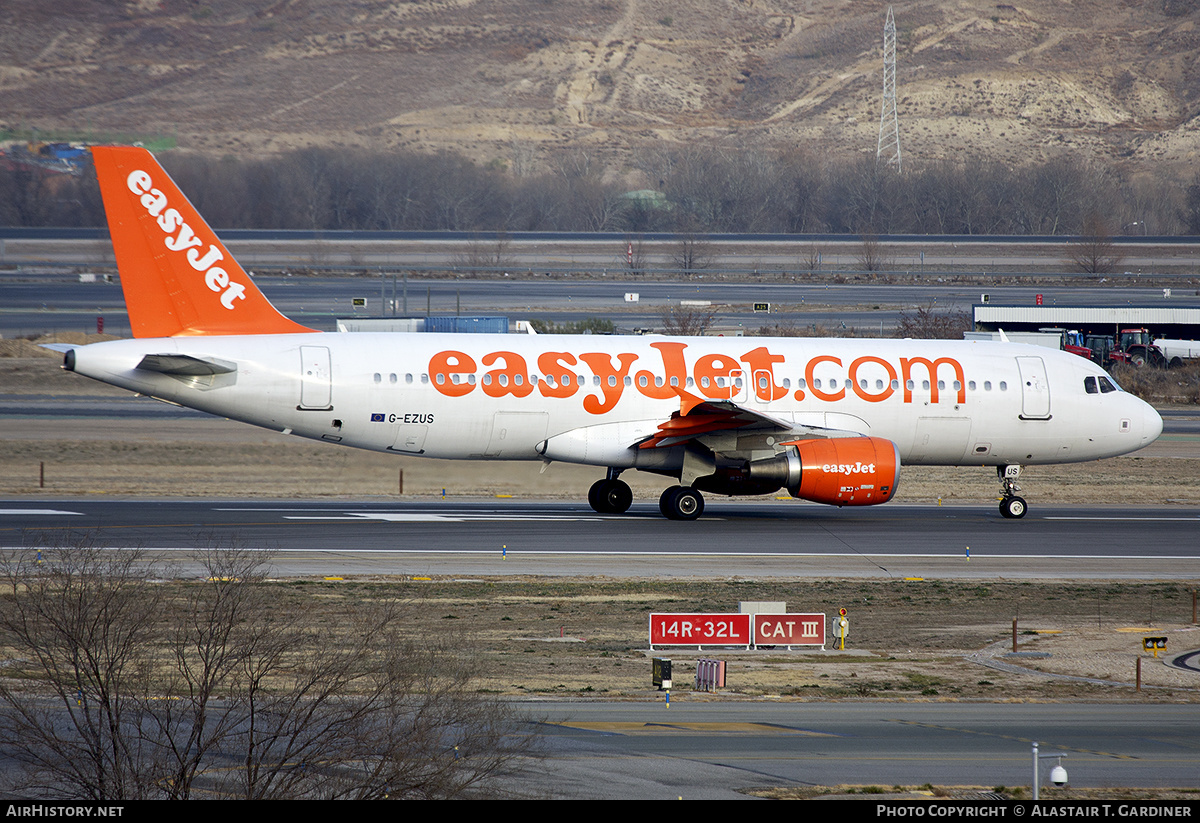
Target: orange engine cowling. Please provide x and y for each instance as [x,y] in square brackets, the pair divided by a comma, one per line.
[847,471]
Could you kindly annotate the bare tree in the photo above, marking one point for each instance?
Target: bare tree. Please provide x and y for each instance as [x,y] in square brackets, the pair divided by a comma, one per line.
[689,321]
[1095,252]
[926,323]
[486,254]
[692,254]
[811,261]
[872,256]
[156,688]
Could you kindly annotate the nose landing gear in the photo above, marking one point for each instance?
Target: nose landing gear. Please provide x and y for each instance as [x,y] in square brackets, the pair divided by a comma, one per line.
[1012,505]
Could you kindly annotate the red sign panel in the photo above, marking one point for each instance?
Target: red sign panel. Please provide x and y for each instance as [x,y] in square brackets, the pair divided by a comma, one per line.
[699,630]
[789,629]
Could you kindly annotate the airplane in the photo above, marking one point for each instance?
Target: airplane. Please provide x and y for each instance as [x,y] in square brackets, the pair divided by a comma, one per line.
[828,420]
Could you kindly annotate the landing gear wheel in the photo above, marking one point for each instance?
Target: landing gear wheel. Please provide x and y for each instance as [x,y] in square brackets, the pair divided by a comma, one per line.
[664,500]
[1013,507]
[610,496]
[681,503]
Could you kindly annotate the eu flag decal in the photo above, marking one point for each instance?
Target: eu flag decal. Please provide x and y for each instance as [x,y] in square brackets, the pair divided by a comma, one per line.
[376,417]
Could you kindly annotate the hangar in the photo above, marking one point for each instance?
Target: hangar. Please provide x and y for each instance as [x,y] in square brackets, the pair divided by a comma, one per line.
[1182,322]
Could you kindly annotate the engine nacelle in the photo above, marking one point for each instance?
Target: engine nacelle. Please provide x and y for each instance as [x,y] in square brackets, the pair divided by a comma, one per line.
[840,471]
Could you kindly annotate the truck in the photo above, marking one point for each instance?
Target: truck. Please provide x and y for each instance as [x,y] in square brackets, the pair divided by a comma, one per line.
[1177,351]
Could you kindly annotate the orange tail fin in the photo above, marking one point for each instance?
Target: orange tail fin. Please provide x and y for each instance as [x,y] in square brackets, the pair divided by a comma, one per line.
[178,278]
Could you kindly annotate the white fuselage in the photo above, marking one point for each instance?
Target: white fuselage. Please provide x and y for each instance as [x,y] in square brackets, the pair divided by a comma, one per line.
[591,399]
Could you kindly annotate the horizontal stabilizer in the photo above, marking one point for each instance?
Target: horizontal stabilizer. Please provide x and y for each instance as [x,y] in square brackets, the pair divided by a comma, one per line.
[184,364]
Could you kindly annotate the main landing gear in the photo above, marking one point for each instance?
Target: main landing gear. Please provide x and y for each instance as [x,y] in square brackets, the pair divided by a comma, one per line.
[610,495]
[681,503]
[1011,504]
[613,496]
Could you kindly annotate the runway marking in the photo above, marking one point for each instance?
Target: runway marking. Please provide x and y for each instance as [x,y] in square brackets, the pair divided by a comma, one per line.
[627,727]
[418,517]
[37,511]
[1045,745]
[1125,519]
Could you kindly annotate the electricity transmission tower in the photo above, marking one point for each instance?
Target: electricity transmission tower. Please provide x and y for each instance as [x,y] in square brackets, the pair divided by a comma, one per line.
[889,122]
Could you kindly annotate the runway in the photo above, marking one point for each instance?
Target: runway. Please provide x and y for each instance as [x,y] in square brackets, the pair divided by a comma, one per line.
[499,536]
[699,750]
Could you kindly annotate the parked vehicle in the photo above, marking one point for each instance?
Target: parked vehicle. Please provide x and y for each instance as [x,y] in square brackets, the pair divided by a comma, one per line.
[1135,347]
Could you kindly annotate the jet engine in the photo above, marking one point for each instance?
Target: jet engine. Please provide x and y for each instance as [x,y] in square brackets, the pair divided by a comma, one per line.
[842,471]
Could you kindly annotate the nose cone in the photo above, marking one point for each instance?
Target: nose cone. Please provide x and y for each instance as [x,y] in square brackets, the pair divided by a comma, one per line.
[1152,424]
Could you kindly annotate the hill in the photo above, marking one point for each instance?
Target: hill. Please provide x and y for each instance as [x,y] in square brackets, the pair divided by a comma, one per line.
[513,83]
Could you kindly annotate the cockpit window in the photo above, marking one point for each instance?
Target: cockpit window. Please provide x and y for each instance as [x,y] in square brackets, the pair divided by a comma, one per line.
[1107,385]
[1089,385]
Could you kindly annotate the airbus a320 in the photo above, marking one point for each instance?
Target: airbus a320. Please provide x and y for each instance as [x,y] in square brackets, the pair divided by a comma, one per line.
[829,420]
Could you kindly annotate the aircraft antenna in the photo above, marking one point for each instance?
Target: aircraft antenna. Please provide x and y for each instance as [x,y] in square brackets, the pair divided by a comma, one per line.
[889,122]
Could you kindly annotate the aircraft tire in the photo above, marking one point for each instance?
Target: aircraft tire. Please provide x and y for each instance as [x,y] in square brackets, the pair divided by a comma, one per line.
[682,503]
[664,501]
[594,499]
[610,496]
[1013,507]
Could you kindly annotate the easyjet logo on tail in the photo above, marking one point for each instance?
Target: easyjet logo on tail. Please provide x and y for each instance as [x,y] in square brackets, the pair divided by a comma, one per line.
[180,237]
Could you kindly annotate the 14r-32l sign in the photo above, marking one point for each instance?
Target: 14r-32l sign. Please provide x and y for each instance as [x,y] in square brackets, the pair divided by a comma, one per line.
[700,630]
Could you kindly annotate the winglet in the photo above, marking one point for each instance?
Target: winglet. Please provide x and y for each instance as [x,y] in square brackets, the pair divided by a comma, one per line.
[178,278]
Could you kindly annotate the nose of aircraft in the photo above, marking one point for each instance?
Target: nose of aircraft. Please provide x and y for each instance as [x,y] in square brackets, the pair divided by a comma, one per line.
[1152,424]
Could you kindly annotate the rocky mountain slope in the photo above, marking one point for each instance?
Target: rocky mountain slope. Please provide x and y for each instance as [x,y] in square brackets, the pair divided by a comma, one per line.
[512,83]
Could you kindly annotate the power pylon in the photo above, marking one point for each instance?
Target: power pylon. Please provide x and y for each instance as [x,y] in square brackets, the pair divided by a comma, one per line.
[889,121]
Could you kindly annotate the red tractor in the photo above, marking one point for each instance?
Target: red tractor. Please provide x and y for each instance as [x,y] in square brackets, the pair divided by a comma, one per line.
[1135,347]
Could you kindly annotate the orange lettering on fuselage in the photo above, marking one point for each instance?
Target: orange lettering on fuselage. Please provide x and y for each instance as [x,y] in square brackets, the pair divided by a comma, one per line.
[812,384]
[512,379]
[612,380]
[931,368]
[715,376]
[554,364]
[674,367]
[861,390]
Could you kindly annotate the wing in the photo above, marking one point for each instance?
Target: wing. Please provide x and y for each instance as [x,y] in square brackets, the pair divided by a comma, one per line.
[698,417]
